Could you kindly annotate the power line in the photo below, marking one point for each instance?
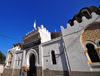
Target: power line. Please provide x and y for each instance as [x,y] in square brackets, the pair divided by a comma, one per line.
[6,44]
[74,40]
[5,41]
[10,37]
[80,29]
[86,2]
[69,45]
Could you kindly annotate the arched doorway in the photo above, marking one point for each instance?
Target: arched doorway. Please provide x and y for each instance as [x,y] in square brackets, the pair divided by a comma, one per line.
[92,53]
[31,62]
[32,67]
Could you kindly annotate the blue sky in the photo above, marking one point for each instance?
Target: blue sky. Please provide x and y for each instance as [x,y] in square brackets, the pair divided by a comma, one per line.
[17,17]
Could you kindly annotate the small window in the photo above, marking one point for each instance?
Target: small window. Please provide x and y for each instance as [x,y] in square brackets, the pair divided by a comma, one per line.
[53,57]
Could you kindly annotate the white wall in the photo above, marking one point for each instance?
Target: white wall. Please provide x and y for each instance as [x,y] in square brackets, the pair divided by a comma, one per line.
[14,61]
[16,66]
[1,68]
[57,46]
[75,51]
[44,34]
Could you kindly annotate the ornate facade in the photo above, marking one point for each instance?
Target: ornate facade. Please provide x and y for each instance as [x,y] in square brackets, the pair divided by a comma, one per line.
[75,52]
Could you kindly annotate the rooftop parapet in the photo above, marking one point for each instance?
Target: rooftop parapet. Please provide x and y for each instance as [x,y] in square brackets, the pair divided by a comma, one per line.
[81,20]
[42,32]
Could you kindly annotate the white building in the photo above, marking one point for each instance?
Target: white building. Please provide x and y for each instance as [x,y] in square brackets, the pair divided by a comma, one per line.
[75,52]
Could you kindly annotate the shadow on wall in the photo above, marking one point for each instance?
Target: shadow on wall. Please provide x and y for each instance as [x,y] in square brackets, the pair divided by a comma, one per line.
[63,60]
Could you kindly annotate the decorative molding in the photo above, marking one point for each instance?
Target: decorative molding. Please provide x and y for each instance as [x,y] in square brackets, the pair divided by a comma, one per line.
[33,32]
[30,52]
[91,33]
[17,52]
[89,61]
[97,42]
[52,41]
[34,43]
[85,51]
[80,26]
[88,42]
[98,50]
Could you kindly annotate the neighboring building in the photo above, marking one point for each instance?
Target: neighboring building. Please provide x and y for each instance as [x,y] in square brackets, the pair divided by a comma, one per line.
[75,52]
[1,69]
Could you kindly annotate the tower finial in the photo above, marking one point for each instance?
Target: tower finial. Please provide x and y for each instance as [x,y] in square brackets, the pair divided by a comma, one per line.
[34,24]
[55,30]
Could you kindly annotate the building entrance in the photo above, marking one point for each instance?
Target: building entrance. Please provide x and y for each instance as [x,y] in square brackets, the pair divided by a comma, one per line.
[32,68]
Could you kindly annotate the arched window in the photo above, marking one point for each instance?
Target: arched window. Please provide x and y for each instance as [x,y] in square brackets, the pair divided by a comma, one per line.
[92,53]
[53,57]
[9,60]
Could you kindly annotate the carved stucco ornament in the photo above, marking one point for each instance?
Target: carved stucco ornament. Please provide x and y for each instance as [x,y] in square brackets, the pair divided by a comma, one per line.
[91,33]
